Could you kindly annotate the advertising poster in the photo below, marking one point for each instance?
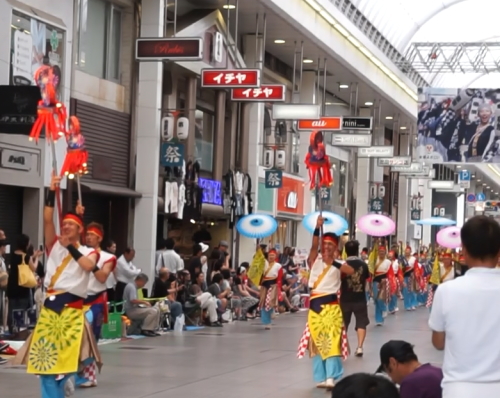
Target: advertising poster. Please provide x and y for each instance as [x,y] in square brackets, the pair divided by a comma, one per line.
[459,125]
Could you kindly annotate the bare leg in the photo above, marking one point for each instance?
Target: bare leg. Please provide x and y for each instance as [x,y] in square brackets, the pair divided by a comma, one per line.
[361,337]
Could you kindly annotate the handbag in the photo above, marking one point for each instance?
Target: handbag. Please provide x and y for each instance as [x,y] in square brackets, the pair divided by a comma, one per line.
[26,276]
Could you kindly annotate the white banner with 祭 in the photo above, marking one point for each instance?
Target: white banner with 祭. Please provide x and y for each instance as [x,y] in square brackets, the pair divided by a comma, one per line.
[459,125]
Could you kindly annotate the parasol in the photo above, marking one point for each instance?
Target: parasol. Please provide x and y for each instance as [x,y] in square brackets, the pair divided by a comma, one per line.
[449,237]
[331,222]
[257,226]
[436,222]
[376,225]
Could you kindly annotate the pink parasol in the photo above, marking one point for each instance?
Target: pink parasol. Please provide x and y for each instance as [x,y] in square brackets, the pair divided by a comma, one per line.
[376,225]
[449,237]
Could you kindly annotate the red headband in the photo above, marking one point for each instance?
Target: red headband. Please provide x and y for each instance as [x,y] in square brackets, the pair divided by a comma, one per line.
[95,231]
[392,253]
[446,255]
[272,251]
[73,218]
[331,239]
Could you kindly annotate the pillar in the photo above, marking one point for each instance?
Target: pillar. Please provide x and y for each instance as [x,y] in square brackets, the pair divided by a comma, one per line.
[190,111]
[220,128]
[403,196]
[149,103]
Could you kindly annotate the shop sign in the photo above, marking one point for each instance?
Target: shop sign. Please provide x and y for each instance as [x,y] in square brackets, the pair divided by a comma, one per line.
[227,78]
[352,140]
[18,108]
[164,49]
[296,112]
[265,93]
[415,215]
[394,161]
[325,193]
[292,200]
[376,152]
[411,169]
[172,154]
[212,191]
[376,205]
[357,123]
[273,178]
[15,160]
[290,197]
[323,124]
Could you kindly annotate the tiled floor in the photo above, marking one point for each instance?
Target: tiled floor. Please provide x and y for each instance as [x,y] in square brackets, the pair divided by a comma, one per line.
[240,360]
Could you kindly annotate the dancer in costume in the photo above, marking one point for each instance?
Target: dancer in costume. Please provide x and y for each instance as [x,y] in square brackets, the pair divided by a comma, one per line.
[325,335]
[393,298]
[270,288]
[62,338]
[409,285]
[419,273]
[380,287]
[97,297]
[442,271]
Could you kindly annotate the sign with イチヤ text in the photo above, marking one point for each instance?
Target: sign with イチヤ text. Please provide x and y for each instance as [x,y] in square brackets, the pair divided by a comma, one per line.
[227,78]
[264,93]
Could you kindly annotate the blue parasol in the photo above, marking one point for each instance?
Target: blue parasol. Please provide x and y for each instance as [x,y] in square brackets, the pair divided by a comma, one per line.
[257,226]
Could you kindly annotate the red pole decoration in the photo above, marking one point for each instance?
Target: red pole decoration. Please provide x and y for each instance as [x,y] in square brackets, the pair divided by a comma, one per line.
[317,162]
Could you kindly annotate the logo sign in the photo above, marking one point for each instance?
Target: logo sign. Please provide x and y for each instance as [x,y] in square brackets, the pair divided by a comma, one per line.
[376,152]
[471,198]
[411,169]
[18,108]
[274,178]
[352,140]
[425,173]
[292,200]
[464,179]
[226,78]
[296,111]
[212,191]
[175,48]
[394,161]
[265,93]
[376,205]
[323,124]
[325,194]
[172,154]
[415,215]
[15,160]
[480,197]
[357,123]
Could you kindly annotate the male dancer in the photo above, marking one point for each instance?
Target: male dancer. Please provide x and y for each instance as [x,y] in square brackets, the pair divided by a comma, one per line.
[62,338]
[443,271]
[96,298]
[409,296]
[324,319]
[270,288]
[381,289]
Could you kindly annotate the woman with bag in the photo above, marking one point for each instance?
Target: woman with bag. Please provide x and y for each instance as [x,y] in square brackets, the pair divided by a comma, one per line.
[21,279]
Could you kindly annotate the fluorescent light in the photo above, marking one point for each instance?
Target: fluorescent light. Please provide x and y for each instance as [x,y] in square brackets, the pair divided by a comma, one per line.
[478,180]
[279,41]
[343,86]
[444,185]
[354,41]
[314,5]
[328,17]
[229,6]
[402,128]
[341,29]
[459,167]
[389,118]
[307,61]
[368,103]
[192,221]
[328,103]
[366,52]
[488,187]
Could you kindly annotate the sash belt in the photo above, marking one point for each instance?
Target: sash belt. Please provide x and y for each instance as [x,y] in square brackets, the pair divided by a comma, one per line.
[99,298]
[268,283]
[56,301]
[315,303]
[379,278]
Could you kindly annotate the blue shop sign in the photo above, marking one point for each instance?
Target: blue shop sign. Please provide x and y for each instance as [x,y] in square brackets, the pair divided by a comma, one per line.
[212,191]
[172,154]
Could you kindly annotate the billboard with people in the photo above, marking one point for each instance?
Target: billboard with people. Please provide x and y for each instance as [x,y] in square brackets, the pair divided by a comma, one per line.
[459,125]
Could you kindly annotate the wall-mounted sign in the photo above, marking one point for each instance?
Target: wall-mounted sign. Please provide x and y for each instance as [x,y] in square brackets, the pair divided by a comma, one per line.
[325,193]
[265,93]
[274,178]
[376,152]
[290,197]
[464,179]
[424,173]
[480,197]
[21,56]
[174,48]
[292,200]
[15,160]
[227,78]
[172,154]
[18,108]
[412,168]
[296,111]
[323,124]
[442,185]
[212,191]
[394,161]
[471,198]
[357,123]
[376,205]
[415,214]
[352,140]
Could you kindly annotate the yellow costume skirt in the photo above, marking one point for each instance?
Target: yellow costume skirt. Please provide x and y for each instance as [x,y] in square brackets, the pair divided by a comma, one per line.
[59,343]
[326,331]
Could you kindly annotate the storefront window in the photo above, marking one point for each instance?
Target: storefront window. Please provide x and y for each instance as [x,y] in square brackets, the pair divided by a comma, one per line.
[339,190]
[33,44]
[204,139]
[99,38]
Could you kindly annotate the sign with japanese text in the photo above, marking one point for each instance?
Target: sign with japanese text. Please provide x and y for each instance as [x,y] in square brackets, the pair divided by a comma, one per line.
[172,154]
[412,168]
[265,93]
[325,193]
[376,205]
[323,124]
[415,215]
[376,152]
[173,48]
[18,108]
[352,140]
[274,178]
[394,161]
[227,78]
[357,123]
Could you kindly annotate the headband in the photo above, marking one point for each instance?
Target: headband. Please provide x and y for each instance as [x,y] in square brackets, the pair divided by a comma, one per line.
[446,255]
[392,253]
[331,239]
[272,251]
[95,231]
[73,218]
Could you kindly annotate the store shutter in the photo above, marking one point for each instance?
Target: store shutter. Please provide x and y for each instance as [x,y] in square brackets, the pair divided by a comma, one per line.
[96,209]
[11,211]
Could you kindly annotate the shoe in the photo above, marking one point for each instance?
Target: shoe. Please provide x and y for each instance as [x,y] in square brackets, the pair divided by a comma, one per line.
[384,314]
[3,361]
[149,333]
[330,384]
[379,324]
[294,310]
[392,312]
[396,309]
[359,352]
[4,346]
[267,328]
[88,384]
[321,385]
[69,387]
[215,324]
[242,318]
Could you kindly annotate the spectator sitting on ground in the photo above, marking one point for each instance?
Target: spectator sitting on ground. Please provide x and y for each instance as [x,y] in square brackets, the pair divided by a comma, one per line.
[362,385]
[140,310]
[199,286]
[166,286]
[235,301]
[416,380]
[215,289]
[183,281]
[284,303]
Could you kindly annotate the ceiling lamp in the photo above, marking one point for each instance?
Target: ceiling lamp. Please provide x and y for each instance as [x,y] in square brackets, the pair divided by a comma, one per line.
[229,6]
[368,103]
[279,41]
[308,61]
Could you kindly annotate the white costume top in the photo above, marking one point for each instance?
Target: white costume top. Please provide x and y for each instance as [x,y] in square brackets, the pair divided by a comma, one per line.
[330,284]
[442,272]
[73,279]
[271,273]
[395,266]
[383,267]
[96,287]
[411,262]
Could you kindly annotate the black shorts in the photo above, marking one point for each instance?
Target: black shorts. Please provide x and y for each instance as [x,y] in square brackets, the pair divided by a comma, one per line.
[360,311]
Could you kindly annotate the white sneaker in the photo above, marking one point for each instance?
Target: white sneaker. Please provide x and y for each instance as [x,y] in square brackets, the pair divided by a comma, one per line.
[396,309]
[384,314]
[321,385]
[330,383]
[359,352]
[69,387]
[88,384]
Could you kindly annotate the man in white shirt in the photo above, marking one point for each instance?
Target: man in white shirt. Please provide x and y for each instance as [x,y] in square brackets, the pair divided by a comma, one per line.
[170,259]
[465,321]
[125,272]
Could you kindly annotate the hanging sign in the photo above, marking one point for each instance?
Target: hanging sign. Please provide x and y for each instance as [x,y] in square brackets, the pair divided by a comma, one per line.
[227,78]
[352,140]
[323,124]
[172,154]
[325,194]
[415,215]
[376,205]
[274,179]
[357,123]
[173,48]
[376,152]
[412,168]
[464,179]
[265,93]
[394,161]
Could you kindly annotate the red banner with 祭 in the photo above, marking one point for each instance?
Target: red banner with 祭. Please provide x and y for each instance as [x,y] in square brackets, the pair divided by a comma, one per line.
[227,78]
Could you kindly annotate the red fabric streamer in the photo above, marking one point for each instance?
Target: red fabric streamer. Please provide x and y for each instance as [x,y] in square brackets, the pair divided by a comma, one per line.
[391,279]
[317,162]
[76,158]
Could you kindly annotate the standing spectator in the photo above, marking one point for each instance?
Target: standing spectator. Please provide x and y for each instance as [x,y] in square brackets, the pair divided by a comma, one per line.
[211,264]
[111,281]
[4,276]
[195,261]
[416,380]
[170,259]
[204,259]
[353,294]
[125,272]
[160,249]
[464,319]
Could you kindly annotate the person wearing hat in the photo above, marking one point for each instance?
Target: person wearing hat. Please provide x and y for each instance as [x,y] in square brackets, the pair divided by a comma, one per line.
[363,385]
[325,336]
[270,288]
[416,380]
[195,264]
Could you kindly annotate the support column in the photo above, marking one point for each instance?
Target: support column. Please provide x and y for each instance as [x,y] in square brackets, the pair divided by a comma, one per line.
[220,127]
[404,196]
[190,104]
[149,103]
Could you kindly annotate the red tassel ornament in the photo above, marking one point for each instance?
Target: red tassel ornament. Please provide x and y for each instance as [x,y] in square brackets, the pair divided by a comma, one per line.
[76,158]
[317,162]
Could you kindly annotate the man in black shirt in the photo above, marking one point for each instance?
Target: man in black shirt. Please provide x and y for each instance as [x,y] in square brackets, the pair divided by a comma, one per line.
[353,294]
